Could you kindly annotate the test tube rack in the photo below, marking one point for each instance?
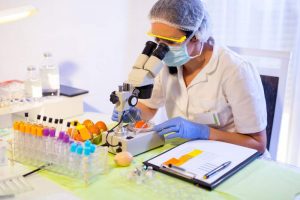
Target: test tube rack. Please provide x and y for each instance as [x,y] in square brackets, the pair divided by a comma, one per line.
[34,144]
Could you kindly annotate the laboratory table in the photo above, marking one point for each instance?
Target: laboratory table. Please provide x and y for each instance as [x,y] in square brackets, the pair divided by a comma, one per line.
[261,179]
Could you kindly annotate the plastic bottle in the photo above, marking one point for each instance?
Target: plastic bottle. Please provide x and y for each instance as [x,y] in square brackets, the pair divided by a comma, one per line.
[50,76]
[33,83]
[3,158]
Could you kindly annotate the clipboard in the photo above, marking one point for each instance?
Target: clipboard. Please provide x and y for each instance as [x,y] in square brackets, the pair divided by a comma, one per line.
[200,157]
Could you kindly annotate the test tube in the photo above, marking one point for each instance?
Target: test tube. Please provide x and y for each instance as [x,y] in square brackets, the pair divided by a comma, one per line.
[72,159]
[74,130]
[22,140]
[69,129]
[26,117]
[65,152]
[45,121]
[16,132]
[94,163]
[78,160]
[46,142]
[38,119]
[61,121]
[39,143]
[86,163]
[27,143]
[56,125]
[33,145]
[58,146]
[16,140]
[52,150]
[50,122]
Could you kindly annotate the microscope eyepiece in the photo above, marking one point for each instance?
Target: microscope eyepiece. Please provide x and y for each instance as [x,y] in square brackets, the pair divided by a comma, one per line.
[149,48]
[161,51]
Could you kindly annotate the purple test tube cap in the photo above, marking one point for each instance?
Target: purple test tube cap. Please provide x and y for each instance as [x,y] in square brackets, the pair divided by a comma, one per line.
[61,135]
[52,132]
[66,138]
[46,132]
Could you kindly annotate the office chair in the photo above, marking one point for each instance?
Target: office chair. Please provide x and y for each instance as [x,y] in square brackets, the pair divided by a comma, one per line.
[270,85]
[274,84]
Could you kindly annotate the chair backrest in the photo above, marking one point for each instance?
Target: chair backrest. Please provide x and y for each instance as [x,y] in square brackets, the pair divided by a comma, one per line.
[273,67]
[270,84]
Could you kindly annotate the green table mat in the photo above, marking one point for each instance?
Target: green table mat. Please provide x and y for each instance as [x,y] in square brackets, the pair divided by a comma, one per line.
[261,179]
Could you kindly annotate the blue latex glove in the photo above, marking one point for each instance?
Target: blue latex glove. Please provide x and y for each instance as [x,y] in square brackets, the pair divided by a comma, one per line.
[182,128]
[131,115]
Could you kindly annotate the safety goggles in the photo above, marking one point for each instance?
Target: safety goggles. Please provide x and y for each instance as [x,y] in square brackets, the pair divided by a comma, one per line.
[176,40]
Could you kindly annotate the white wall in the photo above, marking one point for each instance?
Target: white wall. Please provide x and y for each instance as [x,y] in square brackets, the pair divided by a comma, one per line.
[94,42]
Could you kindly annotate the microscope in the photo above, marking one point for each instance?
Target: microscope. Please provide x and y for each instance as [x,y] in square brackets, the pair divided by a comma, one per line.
[139,86]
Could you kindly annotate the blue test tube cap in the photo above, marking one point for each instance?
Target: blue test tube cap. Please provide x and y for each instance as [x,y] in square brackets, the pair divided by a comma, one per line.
[87,151]
[79,150]
[87,143]
[73,148]
[78,144]
[93,148]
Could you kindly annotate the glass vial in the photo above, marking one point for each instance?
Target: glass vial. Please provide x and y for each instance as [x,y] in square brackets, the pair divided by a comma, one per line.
[50,76]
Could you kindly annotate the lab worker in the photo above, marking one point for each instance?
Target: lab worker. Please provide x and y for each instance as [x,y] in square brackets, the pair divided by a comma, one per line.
[209,92]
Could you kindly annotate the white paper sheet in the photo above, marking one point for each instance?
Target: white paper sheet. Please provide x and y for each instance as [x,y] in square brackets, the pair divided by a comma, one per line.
[214,154]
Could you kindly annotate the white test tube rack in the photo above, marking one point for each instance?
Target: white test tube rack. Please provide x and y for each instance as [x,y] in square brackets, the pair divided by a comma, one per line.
[35,145]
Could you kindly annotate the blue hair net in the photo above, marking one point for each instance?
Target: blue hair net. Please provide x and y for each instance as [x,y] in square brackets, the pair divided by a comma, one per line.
[187,15]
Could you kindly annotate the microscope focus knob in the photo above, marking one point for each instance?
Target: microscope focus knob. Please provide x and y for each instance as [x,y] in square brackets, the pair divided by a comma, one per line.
[114,98]
[132,100]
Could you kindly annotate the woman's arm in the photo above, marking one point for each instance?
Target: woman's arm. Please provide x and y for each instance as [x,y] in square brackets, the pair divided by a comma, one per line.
[256,141]
[146,112]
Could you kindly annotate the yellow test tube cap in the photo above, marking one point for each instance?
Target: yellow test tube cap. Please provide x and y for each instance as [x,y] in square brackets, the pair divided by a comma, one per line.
[33,130]
[84,132]
[28,128]
[39,131]
[16,125]
[22,127]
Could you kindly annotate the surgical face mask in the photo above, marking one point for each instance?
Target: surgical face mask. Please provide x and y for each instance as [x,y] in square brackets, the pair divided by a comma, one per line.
[178,55]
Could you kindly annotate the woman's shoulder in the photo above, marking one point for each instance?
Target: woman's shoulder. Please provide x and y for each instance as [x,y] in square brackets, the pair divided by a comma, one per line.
[230,62]
[229,57]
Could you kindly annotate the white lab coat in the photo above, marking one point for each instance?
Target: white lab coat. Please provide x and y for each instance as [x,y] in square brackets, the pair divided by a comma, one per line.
[228,86]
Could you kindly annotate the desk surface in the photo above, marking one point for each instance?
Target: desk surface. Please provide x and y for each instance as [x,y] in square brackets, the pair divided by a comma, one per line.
[262,179]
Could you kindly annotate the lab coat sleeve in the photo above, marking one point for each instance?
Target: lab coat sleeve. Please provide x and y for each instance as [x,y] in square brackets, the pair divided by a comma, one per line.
[245,94]
[157,99]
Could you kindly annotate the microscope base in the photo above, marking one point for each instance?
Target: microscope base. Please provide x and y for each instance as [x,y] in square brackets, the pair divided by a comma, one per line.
[135,144]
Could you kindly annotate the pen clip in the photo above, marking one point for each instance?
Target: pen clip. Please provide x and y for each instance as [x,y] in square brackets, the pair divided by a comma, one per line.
[216,170]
